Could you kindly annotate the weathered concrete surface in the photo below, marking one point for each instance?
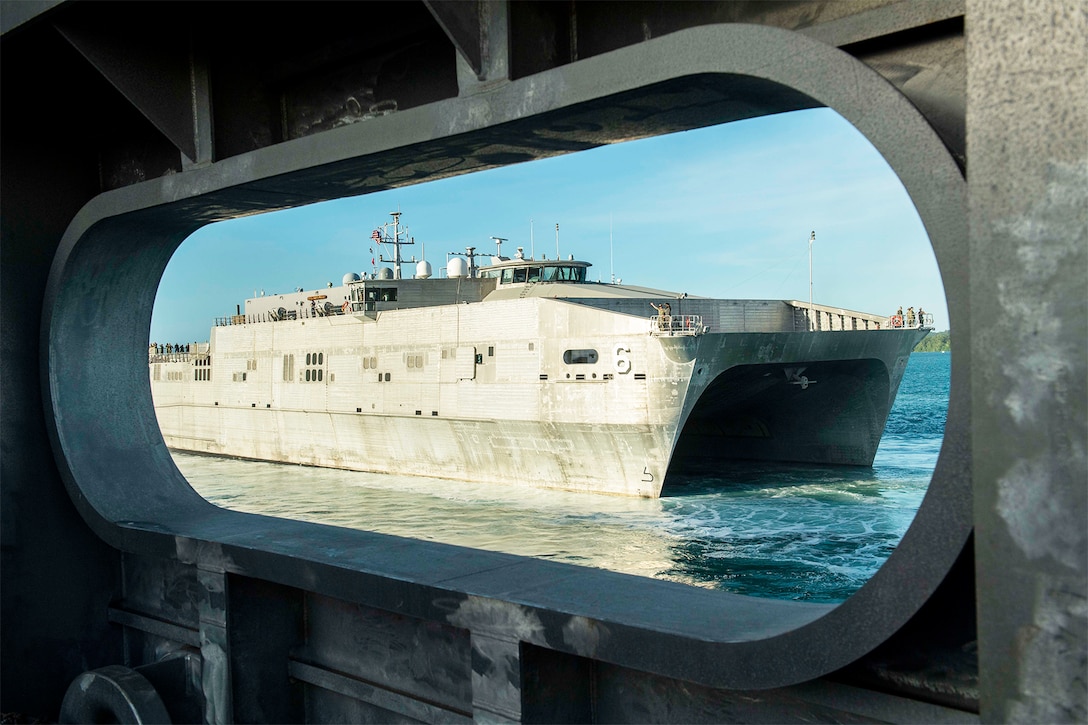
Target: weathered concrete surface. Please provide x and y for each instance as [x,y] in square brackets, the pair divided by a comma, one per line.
[1027,135]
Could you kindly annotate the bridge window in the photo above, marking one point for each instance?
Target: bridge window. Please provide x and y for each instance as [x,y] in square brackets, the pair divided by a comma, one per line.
[515,274]
[566,273]
[381,294]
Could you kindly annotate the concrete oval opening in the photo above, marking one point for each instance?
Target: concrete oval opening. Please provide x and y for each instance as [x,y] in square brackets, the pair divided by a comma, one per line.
[743,191]
[120,475]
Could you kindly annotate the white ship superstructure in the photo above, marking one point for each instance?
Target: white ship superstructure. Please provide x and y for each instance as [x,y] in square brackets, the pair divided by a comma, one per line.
[523,372]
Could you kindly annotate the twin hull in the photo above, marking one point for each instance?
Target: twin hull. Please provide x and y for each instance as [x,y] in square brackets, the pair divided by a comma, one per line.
[548,393]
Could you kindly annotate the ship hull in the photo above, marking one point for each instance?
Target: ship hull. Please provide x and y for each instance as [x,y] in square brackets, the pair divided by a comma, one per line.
[613,459]
[547,394]
[819,398]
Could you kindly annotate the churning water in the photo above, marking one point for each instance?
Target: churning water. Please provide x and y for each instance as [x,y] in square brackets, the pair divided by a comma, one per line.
[789,532]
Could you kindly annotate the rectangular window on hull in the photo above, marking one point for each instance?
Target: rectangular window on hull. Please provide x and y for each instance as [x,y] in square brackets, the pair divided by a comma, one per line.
[381,294]
[580,357]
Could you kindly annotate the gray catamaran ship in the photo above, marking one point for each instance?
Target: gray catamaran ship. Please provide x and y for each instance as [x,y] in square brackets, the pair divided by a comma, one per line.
[523,372]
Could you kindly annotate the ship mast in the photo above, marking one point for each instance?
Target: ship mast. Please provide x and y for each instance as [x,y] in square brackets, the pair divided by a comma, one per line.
[396,241]
[811,239]
[396,245]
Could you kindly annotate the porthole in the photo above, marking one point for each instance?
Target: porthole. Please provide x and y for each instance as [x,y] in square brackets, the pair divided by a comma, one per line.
[95,249]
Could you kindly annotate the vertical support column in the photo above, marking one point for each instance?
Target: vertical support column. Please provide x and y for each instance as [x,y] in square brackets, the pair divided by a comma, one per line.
[1027,140]
[493,41]
[215,647]
[201,92]
[496,679]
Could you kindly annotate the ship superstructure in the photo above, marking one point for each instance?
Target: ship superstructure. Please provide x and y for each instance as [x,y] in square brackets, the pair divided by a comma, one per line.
[523,372]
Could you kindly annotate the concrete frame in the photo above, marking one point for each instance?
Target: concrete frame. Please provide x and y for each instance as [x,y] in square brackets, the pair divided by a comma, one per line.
[120,243]
[1021,274]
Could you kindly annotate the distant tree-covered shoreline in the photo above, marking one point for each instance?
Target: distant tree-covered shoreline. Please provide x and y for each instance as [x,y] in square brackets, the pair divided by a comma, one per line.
[934,342]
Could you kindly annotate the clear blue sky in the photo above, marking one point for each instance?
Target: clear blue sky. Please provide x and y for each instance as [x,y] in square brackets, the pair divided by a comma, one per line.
[718,212]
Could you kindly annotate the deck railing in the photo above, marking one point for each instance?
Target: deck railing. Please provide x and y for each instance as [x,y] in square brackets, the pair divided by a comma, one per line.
[899,321]
[832,319]
[304,313]
[164,357]
[675,325]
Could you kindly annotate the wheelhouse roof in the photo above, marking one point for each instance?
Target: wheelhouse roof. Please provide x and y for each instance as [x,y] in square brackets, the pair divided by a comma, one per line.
[526,262]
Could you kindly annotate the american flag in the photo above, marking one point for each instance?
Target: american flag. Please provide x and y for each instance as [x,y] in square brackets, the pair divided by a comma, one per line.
[376,235]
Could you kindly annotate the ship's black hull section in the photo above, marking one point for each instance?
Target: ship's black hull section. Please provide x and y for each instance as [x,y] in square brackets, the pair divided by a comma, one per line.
[831,412]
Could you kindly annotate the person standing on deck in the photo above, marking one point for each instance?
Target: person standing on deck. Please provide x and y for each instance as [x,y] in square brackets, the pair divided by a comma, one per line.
[664,313]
